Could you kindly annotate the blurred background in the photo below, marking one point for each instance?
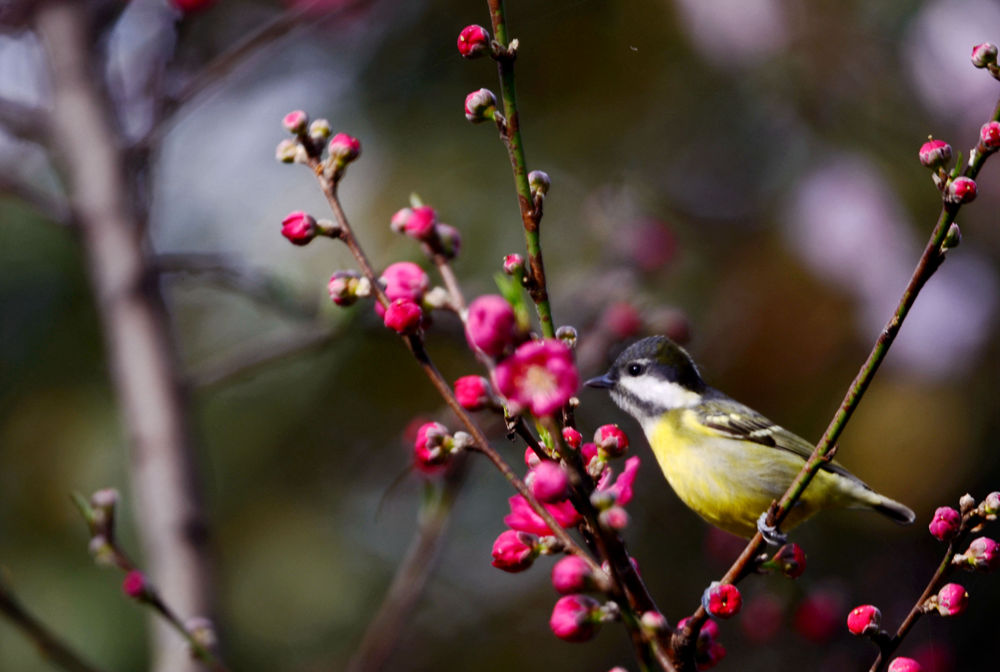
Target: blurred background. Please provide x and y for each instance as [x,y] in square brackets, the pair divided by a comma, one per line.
[742,174]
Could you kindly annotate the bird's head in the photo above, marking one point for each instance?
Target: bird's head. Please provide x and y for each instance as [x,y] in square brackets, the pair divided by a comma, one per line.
[652,377]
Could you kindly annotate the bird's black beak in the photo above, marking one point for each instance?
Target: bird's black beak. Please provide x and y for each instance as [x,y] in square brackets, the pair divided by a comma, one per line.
[601,381]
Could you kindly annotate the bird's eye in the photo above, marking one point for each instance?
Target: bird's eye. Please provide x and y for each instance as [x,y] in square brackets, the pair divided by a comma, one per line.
[635,369]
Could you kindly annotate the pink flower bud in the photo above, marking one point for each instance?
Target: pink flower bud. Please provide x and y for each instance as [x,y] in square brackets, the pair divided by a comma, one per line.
[945,524]
[514,551]
[572,575]
[621,490]
[622,320]
[575,618]
[403,316]
[614,518]
[539,376]
[345,287]
[790,560]
[473,393]
[136,585]
[473,41]
[524,519]
[935,153]
[864,620]
[724,600]
[491,325]
[983,554]
[190,6]
[984,55]
[708,651]
[904,665]
[989,136]
[653,621]
[572,437]
[299,228]
[818,615]
[549,482]
[415,222]
[430,448]
[961,190]
[319,130]
[296,122]
[403,280]
[539,182]
[480,106]
[991,505]
[952,600]
[449,240]
[287,151]
[344,148]
[513,264]
[612,440]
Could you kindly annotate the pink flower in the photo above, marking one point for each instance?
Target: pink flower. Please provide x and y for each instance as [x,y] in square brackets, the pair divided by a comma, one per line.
[513,264]
[984,55]
[983,554]
[549,482]
[934,153]
[473,41]
[429,447]
[299,228]
[473,393]
[403,316]
[403,280]
[818,615]
[864,620]
[612,440]
[622,488]
[723,600]
[572,437]
[614,518]
[514,551]
[575,618]
[945,524]
[790,560]
[491,325]
[904,665]
[136,585]
[572,575]
[344,148]
[346,286]
[296,120]
[989,136]
[531,458]
[539,376]
[524,519]
[708,651]
[480,106]
[417,223]
[961,190]
[952,600]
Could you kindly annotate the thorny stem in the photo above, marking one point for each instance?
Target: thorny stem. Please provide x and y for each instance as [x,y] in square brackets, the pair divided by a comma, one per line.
[530,217]
[932,257]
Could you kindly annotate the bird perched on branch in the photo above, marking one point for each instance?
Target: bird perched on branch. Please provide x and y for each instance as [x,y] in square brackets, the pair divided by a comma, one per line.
[725,460]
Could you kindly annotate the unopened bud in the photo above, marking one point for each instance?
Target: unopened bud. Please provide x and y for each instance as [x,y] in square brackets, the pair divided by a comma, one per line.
[567,335]
[864,620]
[983,555]
[202,631]
[953,238]
[136,586]
[288,151]
[960,190]
[990,506]
[614,518]
[611,440]
[539,182]
[572,437]
[319,130]
[945,524]
[984,55]
[935,153]
[295,122]
[346,287]
[989,136]
[653,622]
[905,665]
[102,551]
[473,41]
[513,264]
[480,106]
[951,600]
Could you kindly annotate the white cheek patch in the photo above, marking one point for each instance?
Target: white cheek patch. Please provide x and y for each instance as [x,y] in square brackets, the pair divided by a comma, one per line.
[659,393]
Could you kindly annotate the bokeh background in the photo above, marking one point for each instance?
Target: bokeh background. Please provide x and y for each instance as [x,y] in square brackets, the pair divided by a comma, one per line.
[741,173]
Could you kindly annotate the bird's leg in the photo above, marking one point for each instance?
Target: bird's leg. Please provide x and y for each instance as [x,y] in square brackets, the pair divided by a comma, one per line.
[772,535]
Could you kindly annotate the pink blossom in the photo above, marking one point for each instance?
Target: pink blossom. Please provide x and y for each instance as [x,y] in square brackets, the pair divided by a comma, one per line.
[403,316]
[934,153]
[945,523]
[299,228]
[296,120]
[572,575]
[549,482]
[344,148]
[614,518]
[429,453]
[864,619]
[622,487]
[539,376]
[989,136]
[904,665]
[723,600]
[575,618]
[612,440]
[491,325]
[524,519]
[514,551]
[983,554]
[513,264]
[417,223]
[572,437]
[473,41]
[473,392]
[790,560]
[952,600]
[622,320]
[480,106]
[403,280]
[961,190]
[136,585]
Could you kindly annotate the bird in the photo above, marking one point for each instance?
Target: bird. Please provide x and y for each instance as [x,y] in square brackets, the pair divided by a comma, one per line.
[725,461]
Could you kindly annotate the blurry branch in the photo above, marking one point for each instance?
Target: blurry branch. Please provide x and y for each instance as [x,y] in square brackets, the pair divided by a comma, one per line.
[382,635]
[48,644]
[105,201]
[23,121]
[52,208]
[256,357]
[258,286]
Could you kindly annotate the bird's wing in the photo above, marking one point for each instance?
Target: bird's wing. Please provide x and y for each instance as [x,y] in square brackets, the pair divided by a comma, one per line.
[733,420]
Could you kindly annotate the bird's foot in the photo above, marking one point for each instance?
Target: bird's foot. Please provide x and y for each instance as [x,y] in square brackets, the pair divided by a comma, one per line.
[772,535]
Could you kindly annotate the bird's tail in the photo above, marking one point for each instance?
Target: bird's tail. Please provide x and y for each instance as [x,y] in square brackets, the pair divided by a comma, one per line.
[897,512]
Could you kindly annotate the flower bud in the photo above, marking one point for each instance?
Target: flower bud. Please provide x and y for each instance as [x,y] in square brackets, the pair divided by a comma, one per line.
[723,600]
[403,280]
[575,618]
[961,190]
[430,448]
[531,458]
[136,586]
[611,440]
[572,437]
[567,335]
[513,264]
[473,41]
[417,223]
[295,122]
[622,320]
[103,504]
[480,106]
[614,518]
[935,153]
[945,524]
[473,393]
[189,6]
[403,316]
[344,149]
[102,551]
[202,631]
[549,482]
[491,325]
[990,506]
[319,130]
[952,600]
[864,620]
[346,287]
[299,228]
[572,575]
[653,622]
[953,238]
[287,151]
[904,665]
[514,551]
[790,560]
[989,136]
[983,554]
[966,503]
[449,240]
[984,55]
[539,183]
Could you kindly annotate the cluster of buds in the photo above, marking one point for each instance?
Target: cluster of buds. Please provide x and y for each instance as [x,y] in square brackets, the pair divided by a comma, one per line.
[405,285]
[956,189]
[434,447]
[708,651]
[307,145]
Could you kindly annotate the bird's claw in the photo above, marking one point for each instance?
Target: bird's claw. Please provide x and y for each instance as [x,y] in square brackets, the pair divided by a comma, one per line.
[705,597]
[772,535]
